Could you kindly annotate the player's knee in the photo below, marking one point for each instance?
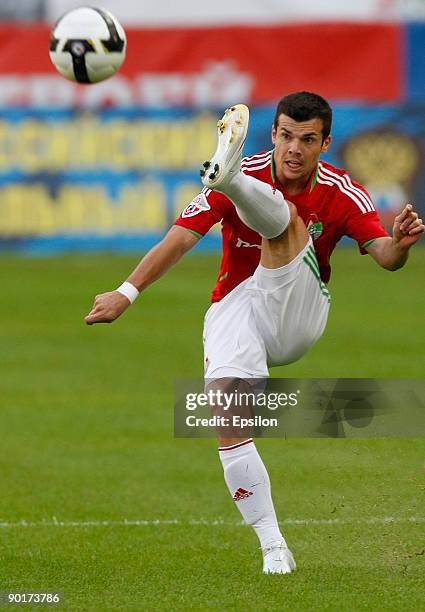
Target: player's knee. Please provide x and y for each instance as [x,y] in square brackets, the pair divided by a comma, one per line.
[289,220]
[279,223]
[294,218]
[226,442]
[293,212]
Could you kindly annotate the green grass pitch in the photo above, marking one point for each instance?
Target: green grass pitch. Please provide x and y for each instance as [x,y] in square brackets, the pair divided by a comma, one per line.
[86,436]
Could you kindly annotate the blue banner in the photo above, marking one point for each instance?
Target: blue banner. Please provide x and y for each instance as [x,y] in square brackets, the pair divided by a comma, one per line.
[117,179]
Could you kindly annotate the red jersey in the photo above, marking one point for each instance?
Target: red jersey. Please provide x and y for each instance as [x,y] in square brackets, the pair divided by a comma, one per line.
[331,205]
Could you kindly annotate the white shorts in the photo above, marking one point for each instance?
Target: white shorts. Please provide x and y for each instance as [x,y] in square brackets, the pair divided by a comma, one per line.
[272,318]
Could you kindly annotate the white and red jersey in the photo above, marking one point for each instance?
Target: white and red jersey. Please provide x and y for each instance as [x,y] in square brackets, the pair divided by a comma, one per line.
[332,205]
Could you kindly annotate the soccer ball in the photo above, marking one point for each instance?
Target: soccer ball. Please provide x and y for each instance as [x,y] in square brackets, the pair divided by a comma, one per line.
[87,45]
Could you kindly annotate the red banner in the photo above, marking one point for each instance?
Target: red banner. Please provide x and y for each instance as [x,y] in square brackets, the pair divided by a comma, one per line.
[211,66]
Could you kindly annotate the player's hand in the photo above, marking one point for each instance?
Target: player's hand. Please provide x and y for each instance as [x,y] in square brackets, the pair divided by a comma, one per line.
[107,307]
[408,228]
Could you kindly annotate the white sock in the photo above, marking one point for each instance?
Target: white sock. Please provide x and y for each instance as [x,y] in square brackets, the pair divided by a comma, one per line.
[249,485]
[258,205]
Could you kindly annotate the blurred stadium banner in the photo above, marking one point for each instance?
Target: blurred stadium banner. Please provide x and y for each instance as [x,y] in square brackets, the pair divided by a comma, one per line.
[111,165]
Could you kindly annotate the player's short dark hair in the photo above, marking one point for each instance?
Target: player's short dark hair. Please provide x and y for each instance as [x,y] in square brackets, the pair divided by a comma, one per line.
[304,105]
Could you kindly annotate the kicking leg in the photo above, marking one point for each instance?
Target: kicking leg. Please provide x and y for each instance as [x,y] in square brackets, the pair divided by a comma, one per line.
[261,207]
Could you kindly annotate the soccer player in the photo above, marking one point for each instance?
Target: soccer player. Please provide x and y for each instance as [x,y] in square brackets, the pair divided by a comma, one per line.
[282,213]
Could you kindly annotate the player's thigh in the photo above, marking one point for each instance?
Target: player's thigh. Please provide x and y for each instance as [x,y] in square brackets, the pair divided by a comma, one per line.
[291,306]
[233,346]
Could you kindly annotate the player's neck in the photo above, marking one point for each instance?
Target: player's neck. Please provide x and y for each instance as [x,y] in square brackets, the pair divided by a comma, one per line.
[293,187]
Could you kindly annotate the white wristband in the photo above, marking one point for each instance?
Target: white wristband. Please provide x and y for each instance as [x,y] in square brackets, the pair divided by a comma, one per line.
[129,290]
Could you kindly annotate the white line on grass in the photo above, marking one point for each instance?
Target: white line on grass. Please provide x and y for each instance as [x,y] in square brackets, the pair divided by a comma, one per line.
[54,522]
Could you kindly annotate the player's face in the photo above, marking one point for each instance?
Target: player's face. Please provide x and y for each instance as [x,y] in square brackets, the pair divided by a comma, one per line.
[297,148]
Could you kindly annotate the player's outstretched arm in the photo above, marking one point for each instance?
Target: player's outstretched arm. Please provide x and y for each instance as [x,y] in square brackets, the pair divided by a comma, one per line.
[109,306]
[392,253]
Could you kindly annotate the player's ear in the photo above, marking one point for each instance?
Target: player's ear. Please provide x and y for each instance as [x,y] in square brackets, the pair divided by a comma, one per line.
[326,144]
[273,134]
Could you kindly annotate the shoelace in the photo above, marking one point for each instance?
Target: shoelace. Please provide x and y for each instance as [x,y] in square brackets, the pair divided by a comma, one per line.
[275,545]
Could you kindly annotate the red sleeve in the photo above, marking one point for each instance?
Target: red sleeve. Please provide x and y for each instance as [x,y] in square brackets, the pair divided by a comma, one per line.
[363,223]
[204,211]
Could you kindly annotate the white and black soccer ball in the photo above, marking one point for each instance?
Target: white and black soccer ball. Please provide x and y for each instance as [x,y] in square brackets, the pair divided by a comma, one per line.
[87,45]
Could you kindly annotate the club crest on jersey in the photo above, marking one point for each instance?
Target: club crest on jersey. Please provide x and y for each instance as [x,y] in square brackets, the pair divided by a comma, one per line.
[314,227]
[197,205]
